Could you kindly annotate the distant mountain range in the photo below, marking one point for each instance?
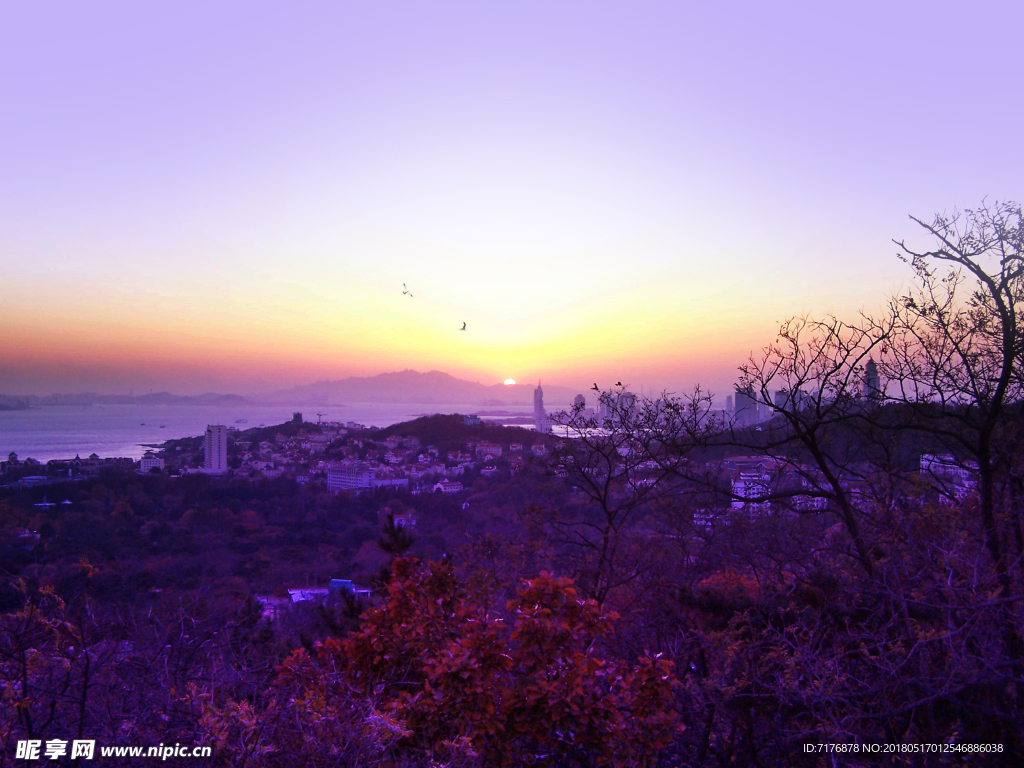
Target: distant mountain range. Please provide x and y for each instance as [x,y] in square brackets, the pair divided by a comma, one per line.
[433,387]
[89,398]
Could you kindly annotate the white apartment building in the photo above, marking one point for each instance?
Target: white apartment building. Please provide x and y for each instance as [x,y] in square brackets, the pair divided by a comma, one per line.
[216,449]
[150,461]
[751,486]
[345,477]
[485,449]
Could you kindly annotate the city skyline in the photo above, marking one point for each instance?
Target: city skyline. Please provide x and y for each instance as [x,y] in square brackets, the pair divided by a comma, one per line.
[233,199]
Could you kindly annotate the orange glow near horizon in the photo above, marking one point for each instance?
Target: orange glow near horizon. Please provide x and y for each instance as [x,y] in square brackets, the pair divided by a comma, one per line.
[691,324]
[244,350]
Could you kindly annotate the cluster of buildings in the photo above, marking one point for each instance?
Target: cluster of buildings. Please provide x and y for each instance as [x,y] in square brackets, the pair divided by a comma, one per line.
[747,408]
[352,458]
[953,479]
[610,407]
[340,456]
[753,480]
[405,462]
[349,457]
[761,485]
[29,471]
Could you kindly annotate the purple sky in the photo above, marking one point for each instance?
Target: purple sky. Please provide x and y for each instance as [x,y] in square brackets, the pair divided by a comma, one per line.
[227,196]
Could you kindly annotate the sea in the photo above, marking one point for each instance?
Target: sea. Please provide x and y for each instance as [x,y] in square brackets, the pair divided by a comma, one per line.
[64,431]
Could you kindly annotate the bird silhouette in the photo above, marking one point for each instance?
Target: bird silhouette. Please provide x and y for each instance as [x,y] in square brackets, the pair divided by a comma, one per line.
[405,291]
[463,326]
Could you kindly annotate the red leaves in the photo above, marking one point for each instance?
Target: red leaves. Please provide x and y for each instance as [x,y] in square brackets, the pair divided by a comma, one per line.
[452,673]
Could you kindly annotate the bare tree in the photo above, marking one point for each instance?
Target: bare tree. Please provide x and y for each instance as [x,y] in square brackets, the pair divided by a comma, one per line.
[624,459]
[812,380]
[955,358]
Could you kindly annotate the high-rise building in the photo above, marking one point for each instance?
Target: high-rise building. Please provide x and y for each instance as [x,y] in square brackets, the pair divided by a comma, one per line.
[539,415]
[746,407]
[580,410]
[872,382]
[216,448]
[627,402]
[784,400]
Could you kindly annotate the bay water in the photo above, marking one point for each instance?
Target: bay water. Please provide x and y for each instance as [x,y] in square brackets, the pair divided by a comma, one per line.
[64,431]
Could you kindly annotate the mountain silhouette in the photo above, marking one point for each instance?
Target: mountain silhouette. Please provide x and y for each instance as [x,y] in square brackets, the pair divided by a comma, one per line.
[414,387]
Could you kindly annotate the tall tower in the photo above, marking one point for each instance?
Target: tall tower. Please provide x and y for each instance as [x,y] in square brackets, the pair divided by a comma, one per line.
[872,382]
[216,449]
[746,407]
[538,408]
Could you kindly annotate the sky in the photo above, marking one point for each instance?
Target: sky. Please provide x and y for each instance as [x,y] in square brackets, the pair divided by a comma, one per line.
[229,196]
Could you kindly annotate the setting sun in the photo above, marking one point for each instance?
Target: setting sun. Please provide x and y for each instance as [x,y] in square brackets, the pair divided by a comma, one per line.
[509,382]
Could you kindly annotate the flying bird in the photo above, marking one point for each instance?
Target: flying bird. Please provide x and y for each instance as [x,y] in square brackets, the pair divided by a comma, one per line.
[405,291]
[463,326]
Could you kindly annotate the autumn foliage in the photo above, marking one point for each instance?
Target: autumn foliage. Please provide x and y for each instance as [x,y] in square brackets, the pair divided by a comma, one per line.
[433,674]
